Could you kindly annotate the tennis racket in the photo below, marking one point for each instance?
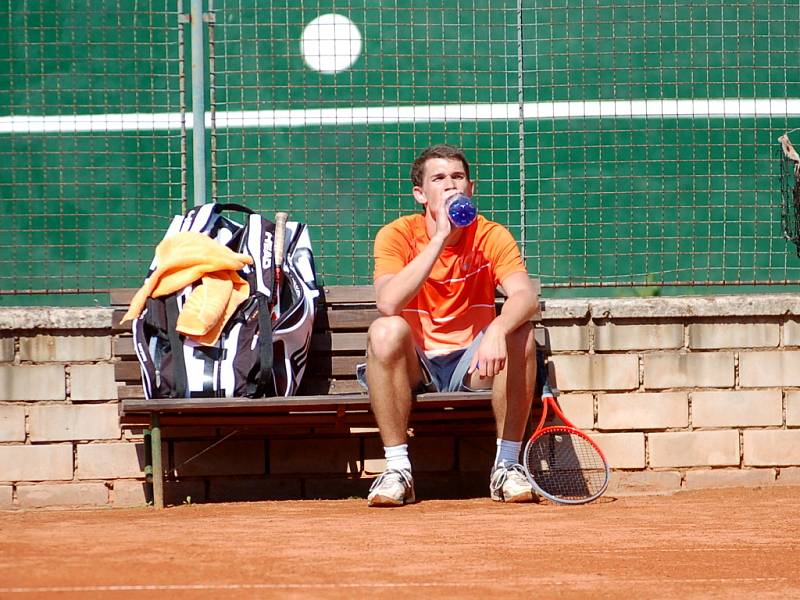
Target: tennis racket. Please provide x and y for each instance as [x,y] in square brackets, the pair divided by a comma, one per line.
[564,464]
[280,237]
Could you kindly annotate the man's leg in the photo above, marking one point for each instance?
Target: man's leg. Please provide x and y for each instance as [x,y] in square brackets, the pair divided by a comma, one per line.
[512,393]
[393,371]
[512,389]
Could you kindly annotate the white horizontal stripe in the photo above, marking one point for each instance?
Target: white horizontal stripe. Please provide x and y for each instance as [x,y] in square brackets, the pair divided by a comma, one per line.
[425,312]
[528,580]
[416,310]
[444,319]
[434,113]
[92,123]
[226,586]
[470,274]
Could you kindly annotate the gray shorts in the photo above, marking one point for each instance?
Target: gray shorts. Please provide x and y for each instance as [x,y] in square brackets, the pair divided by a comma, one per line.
[446,372]
[442,373]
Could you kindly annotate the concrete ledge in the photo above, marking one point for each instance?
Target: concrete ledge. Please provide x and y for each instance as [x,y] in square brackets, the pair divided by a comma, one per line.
[555,309]
[689,306]
[55,318]
[566,308]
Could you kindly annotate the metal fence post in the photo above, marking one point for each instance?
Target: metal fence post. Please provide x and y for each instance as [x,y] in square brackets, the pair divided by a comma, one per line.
[198,103]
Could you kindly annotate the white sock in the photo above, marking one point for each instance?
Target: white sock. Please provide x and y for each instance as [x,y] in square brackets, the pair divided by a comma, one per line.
[507,451]
[397,457]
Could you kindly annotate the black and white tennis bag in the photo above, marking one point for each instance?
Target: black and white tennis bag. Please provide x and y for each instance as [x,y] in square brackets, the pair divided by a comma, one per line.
[260,352]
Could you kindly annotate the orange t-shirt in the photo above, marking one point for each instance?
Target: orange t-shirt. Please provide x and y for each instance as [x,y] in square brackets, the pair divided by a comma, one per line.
[457,300]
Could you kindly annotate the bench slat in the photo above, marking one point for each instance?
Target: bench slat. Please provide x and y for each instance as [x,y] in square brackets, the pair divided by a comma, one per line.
[335,294]
[321,343]
[453,398]
[349,294]
[332,319]
[288,403]
[332,386]
[351,318]
[286,425]
[281,403]
[334,366]
[310,386]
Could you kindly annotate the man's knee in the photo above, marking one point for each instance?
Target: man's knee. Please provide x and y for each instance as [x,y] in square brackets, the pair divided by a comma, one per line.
[388,337]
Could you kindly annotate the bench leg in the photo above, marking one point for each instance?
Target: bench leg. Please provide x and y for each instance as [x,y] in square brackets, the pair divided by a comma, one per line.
[148,462]
[158,471]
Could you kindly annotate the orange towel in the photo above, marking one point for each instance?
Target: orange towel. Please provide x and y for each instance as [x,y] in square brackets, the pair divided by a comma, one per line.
[183,259]
[210,305]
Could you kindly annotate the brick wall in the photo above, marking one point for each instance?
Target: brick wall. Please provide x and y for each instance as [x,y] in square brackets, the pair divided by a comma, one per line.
[684,392]
[60,437]
[681,393]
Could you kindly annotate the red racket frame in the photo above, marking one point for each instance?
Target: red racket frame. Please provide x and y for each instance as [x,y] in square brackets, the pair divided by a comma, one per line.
[570,429]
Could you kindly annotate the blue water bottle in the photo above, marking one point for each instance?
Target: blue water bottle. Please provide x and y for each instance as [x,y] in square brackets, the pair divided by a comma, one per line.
[461,210]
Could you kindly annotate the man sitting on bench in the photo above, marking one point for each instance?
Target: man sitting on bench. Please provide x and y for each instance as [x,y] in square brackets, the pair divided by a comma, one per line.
[438,331]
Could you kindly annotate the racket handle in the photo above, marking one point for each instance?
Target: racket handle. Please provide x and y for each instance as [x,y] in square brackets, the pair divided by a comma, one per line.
[280,237]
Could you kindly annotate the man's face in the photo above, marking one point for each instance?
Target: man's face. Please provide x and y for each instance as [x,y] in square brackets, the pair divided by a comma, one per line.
[441,179]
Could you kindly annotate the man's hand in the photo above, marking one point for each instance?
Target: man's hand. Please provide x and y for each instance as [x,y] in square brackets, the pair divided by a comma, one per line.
[492,353]
[521,305]
[443,225]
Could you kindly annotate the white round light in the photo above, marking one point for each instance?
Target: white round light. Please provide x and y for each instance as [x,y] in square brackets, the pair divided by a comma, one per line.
[330,43]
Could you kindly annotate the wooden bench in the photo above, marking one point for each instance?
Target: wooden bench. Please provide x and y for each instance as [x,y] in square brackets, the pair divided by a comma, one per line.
[330,398]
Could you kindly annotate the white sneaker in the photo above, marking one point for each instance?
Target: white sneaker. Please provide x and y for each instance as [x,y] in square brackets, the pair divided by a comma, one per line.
[394,487]
[509,483]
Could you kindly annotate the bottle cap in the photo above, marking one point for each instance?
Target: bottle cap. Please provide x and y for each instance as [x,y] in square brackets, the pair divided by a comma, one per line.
[461,210]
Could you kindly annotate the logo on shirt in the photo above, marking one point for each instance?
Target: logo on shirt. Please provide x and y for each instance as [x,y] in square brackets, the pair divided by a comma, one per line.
[472,262]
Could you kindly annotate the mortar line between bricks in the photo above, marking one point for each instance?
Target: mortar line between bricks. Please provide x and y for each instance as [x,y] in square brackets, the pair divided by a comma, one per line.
[784,409]
[640,366]
[74,461]
[741,448]
[27,424]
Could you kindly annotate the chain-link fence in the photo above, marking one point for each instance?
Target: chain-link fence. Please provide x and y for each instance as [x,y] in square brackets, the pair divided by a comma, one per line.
[624,143]
[90,141]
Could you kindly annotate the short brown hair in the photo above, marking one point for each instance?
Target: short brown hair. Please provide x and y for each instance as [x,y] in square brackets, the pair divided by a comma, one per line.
[438,151]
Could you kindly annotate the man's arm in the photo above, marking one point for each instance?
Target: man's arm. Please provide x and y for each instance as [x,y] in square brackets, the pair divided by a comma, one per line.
[521,305]
[394,292]
[522,302]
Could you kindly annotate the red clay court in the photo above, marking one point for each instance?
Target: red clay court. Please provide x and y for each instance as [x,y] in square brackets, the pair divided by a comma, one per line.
[731,543]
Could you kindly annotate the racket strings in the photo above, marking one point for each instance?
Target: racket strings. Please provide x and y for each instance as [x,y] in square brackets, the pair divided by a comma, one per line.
[566,466]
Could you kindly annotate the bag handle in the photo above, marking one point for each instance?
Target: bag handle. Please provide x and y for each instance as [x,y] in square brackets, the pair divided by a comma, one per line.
[218,208]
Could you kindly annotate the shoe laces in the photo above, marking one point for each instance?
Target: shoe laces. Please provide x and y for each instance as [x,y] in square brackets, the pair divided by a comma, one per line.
[504,471]
[402,476]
